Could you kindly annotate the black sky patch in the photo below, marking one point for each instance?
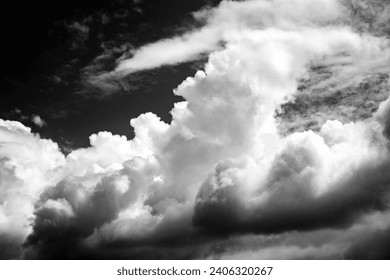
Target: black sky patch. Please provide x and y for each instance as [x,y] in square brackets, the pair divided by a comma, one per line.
[50,46]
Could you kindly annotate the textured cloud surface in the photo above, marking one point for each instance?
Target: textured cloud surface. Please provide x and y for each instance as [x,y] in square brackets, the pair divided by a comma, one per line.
[218,181]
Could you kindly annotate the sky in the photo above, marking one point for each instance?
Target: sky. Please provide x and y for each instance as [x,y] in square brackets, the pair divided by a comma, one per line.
[195,130]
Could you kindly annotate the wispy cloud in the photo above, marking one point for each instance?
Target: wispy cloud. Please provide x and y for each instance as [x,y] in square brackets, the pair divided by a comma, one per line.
[171,51]
[222,23]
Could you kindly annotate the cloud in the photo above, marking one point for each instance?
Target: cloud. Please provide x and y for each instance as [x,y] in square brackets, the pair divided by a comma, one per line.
[38,121]
[80,33]
[23,117]
[314,181]
[170,51]
[354,100]
[219,172]
[350,243]
[370,16]
[28,167]
[229,18]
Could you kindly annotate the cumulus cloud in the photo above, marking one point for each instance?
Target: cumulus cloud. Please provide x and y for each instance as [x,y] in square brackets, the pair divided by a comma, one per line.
[220,169]
[28,166]
[315,181]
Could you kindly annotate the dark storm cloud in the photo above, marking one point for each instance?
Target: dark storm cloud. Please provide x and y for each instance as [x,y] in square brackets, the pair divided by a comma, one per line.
[318,244]
[373,246]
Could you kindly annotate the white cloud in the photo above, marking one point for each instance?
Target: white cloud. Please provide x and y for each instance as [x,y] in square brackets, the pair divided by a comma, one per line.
[229,18]
[171,51]
[220,163]
[28,166]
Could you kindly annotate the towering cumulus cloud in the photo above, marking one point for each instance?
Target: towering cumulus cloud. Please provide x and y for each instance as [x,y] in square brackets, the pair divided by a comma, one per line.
[219,181]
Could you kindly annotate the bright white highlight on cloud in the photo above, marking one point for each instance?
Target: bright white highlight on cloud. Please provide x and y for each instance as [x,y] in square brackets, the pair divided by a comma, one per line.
[171,51]
[222,23]
[220,165]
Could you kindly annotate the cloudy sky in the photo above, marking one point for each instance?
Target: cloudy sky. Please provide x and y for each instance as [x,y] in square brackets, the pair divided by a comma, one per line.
[146,129]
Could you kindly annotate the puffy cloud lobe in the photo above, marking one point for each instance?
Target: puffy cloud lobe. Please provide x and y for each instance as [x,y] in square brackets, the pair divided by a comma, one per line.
[98,183]
[219,167]
[313,182]
[71,212]
[28,165]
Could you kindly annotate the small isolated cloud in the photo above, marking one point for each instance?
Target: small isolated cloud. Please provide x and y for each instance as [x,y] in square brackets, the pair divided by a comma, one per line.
[38,121]
[17,114]
[218,181]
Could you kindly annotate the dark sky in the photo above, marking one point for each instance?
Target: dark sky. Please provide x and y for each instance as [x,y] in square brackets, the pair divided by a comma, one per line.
[50,50]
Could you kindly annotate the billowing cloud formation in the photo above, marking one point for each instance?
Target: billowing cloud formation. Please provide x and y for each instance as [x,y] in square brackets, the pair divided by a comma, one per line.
[28,165]
[313,182]
[219,169]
